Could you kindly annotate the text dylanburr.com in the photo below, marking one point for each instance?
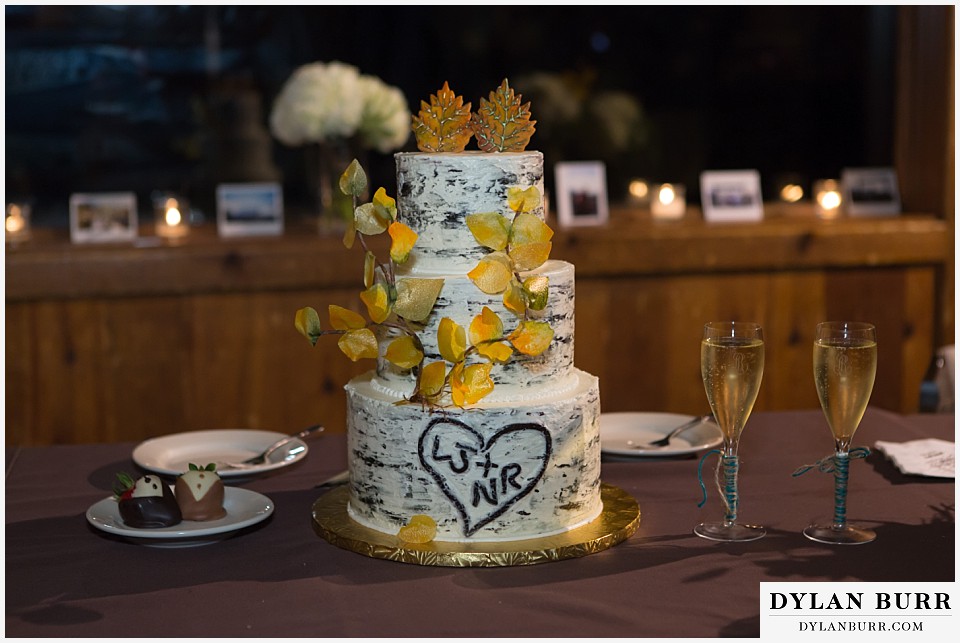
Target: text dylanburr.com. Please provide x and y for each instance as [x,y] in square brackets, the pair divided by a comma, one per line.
[851,610]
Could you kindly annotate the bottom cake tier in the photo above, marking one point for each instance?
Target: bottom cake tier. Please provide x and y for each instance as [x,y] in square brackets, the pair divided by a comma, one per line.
[485,473]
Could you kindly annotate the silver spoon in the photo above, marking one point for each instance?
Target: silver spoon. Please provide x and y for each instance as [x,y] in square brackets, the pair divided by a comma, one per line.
[261,457]
[665,440]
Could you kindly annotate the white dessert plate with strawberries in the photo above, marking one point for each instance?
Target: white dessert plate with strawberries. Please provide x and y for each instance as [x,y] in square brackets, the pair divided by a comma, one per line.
[629,434]
[244,508]
[172,454]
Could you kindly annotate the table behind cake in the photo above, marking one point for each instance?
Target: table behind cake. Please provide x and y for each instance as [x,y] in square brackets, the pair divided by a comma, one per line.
[64,578]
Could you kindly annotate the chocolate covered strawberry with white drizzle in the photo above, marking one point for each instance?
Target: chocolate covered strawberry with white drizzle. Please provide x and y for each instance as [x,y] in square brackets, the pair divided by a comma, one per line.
[146,503]
[199,493]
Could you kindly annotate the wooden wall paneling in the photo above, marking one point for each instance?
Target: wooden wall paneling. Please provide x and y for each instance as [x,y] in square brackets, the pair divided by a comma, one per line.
[919,333]
[21,372]
[144,369]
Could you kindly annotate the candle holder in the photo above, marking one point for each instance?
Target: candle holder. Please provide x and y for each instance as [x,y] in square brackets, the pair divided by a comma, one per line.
[17,222]
[827,198]
[170,215]
[638,192]
[668,201]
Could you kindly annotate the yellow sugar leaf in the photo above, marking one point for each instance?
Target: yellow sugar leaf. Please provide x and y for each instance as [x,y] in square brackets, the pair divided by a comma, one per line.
[523,200]
[368,220]
[531,337]
[503,124]
[307,322]
[451,340]
[536,289]
[403,352]
[344,319]
[402,242]
[492,274]
[385,206]
[350,234]
[353,181]
[495,351]
[421,529]
[377,301]
[490,229]
[369,269]
[528,228]
[514,300]
[359,344]
[527,256]
[486,325]
[432,377]
[416,297]
[444,125]
[469,385]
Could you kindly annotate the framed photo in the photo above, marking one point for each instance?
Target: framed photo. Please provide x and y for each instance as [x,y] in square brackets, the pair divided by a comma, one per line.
[870,191]
[103,217]
[731,195]
[581,193]
[249,209]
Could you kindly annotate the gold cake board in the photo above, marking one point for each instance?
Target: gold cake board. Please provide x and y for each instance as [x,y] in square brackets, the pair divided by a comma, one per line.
[618,520]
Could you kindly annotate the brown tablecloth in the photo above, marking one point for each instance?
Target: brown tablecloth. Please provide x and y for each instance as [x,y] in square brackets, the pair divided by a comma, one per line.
[64,578]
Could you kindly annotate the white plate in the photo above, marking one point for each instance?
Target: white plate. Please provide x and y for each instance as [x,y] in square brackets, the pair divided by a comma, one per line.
[244,508]
[619,431]
[172,454]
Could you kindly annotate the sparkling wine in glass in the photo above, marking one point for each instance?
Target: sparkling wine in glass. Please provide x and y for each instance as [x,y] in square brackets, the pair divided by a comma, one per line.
[844,368]
[731,363]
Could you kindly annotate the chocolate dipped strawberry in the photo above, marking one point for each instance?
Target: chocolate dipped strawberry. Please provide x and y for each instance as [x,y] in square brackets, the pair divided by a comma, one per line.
[199,493]
[146,503]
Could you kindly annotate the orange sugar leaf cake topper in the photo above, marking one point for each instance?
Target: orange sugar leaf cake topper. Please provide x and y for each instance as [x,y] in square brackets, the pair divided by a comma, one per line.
[500,124]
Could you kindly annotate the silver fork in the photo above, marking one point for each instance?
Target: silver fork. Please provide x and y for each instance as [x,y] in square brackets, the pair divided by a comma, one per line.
[261,457]
[665,440]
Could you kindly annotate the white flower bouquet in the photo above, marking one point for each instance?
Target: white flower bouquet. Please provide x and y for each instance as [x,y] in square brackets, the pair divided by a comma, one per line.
[325,102]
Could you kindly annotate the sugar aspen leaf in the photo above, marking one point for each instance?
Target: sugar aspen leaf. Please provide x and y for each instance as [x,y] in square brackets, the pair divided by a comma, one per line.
[384,205]
[421,529]
[444,125]
[495,351]
[451,340]
[307,322]
[485,326]
[514,300]
[528,228]
[492,273]
[403,352]
[470,384]
[368,220]
[353,181]
[416,297]
[377,301]
[369,268]
[531,337]
[523,200]
[432,378]
[502,124]
[343,319]
[350,234]
[359,344]
[490,229]
[537,290]
[402,241]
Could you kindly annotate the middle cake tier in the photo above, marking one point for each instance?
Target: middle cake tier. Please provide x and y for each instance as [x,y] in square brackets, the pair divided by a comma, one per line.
[461,301]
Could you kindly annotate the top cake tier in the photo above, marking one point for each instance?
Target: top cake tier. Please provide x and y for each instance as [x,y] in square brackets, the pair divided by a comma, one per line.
[436,193]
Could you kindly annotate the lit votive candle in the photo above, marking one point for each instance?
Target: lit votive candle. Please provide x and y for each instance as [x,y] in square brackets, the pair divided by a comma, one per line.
[638,192]
[17,221]
[669,201]
[827,198]
[169,215]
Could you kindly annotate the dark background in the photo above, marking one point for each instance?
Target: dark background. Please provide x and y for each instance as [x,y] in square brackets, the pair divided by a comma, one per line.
[142,98]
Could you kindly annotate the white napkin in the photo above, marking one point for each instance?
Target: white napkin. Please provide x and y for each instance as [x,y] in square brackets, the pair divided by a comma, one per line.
[931,457]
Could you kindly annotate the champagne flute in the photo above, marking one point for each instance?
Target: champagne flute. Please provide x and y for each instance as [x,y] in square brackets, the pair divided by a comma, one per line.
[844,368]
[731,363]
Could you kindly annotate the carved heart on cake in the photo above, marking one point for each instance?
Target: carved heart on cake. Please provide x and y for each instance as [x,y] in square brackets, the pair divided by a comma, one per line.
[483,478]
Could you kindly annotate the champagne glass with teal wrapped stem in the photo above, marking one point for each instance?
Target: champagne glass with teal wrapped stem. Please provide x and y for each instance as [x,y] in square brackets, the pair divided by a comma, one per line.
[844,369]
[731,363]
